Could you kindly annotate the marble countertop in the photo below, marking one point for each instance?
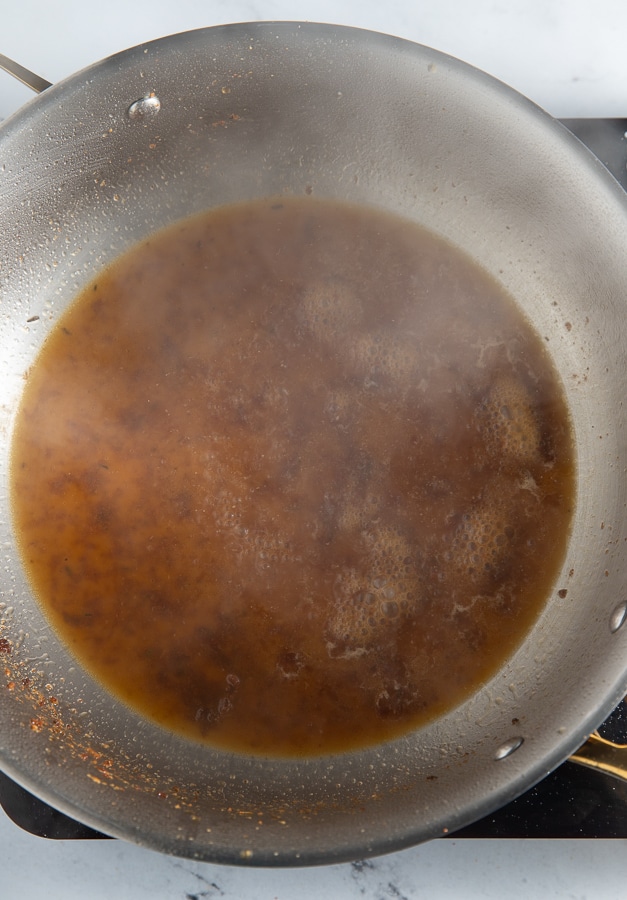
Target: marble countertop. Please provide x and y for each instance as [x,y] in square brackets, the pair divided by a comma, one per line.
[568,56]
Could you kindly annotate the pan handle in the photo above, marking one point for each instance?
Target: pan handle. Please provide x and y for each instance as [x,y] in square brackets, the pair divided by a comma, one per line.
[603,755]
[34,82]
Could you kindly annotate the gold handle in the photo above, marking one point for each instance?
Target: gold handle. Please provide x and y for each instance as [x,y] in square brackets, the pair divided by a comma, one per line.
[34,82]
[603,755]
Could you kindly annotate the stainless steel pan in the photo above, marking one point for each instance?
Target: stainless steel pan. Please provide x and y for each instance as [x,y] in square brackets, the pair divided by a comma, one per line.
[220,115]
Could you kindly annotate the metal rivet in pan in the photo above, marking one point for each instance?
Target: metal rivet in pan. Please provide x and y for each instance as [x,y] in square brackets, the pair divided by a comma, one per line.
[145,107]
[509,747]
[618,617]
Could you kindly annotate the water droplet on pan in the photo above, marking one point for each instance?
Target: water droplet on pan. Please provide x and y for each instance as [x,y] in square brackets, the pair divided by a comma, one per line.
[618,617]
[508,748]
[145,107]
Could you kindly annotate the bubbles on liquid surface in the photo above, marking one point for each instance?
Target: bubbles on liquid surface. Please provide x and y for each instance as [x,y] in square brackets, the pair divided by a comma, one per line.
[509,423]
[374,598]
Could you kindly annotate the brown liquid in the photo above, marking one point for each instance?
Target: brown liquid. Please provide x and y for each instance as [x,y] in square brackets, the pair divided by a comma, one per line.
[292,477]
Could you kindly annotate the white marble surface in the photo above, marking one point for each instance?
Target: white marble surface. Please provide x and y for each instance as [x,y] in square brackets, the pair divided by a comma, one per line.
[570,57]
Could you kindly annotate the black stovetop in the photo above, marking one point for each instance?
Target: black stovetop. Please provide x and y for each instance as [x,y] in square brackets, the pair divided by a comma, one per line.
[572,801]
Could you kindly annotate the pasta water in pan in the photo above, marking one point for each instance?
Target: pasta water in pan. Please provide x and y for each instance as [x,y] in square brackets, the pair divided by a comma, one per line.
[292,477]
